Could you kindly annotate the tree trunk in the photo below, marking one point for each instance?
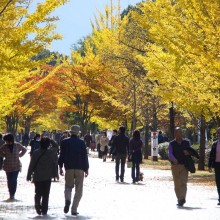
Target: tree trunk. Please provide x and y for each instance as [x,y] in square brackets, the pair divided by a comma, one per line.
[125,124]
[154,124]
[11,123]
[134,119]
[27,124]
[201,165]
[172,122]
[147,149]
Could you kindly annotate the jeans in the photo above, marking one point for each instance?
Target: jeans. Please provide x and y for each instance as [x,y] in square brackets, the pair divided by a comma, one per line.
[42,191]
[12,182]
[217,178]
[135,175]
[120,159]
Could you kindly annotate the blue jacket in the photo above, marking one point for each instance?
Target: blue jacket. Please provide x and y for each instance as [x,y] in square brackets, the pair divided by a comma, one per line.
[73,154]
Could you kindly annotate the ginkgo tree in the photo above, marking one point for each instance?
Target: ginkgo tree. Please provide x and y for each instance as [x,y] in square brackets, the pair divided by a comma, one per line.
[185,56]
[23,35]
[118,46]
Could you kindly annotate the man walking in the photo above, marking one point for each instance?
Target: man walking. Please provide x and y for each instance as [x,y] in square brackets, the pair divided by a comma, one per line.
[73,156]
[1,158]
[214,162]
[121,146]
[178,149]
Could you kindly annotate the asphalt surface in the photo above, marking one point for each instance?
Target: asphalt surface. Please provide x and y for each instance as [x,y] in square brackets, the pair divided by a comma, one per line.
[104,198]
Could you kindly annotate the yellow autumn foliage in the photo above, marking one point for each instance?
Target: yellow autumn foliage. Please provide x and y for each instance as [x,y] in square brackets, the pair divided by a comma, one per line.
[184,57]
[23,35]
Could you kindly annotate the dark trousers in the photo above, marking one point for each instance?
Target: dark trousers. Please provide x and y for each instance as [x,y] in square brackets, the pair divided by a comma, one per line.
[99,152]
[1,162]
[42,191]
[12,182]
[135,171]
[120,159]
[217,178]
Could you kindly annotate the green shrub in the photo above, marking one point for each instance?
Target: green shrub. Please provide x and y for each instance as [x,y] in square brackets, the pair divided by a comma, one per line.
[163,150]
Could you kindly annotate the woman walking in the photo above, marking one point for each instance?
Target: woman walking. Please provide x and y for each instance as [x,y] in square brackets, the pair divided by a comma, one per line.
[11,152]
[104,145]
[43,167]
[135,149]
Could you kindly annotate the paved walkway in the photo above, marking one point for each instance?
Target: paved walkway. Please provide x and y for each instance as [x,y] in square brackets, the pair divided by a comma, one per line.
[104,198]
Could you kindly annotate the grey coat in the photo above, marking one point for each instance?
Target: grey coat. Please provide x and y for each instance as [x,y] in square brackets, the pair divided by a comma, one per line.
[46,167]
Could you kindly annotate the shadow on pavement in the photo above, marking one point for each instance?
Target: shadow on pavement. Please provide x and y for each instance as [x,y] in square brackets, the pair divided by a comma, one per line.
[189,208]
[130,184]
[140,184]
[11,200]
[123,183]
[78,217]
[43,217]
[59,217]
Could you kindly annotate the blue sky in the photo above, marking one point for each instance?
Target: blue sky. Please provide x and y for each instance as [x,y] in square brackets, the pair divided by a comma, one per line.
[74,23]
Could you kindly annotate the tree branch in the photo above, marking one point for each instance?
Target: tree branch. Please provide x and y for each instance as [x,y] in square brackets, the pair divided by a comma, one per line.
[1,12]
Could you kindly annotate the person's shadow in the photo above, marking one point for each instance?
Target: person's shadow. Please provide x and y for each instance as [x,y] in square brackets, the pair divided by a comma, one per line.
[78,217]
[44,217]
[189,208]
[11,200]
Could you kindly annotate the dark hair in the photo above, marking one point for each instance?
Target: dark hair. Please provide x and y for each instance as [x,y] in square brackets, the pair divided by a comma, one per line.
[1,136]
[136,135]
[37,135]
[105,133]
[115,131]
[45,142]
[9,137]
[122,129]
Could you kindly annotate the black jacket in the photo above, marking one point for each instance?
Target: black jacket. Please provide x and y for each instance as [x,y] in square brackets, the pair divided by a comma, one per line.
[178,151]
[112,145]
[212,155]
[189,162]
[121,144]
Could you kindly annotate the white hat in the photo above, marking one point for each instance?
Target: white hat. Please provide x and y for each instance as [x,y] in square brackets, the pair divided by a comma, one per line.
[75,129]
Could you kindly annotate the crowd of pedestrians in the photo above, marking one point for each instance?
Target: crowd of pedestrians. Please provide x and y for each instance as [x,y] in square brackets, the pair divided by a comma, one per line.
[66,153]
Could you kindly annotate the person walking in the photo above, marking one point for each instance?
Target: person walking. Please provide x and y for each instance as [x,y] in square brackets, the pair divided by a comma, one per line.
[1,158]
[25,139]
[35,143]
[121,144]
[214,162]
[178,150]
[43,167]
[88,140]
[32,134]
[111,144]
[135,149]
[104,145]
[97,140]
[11,151]
[73,155]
